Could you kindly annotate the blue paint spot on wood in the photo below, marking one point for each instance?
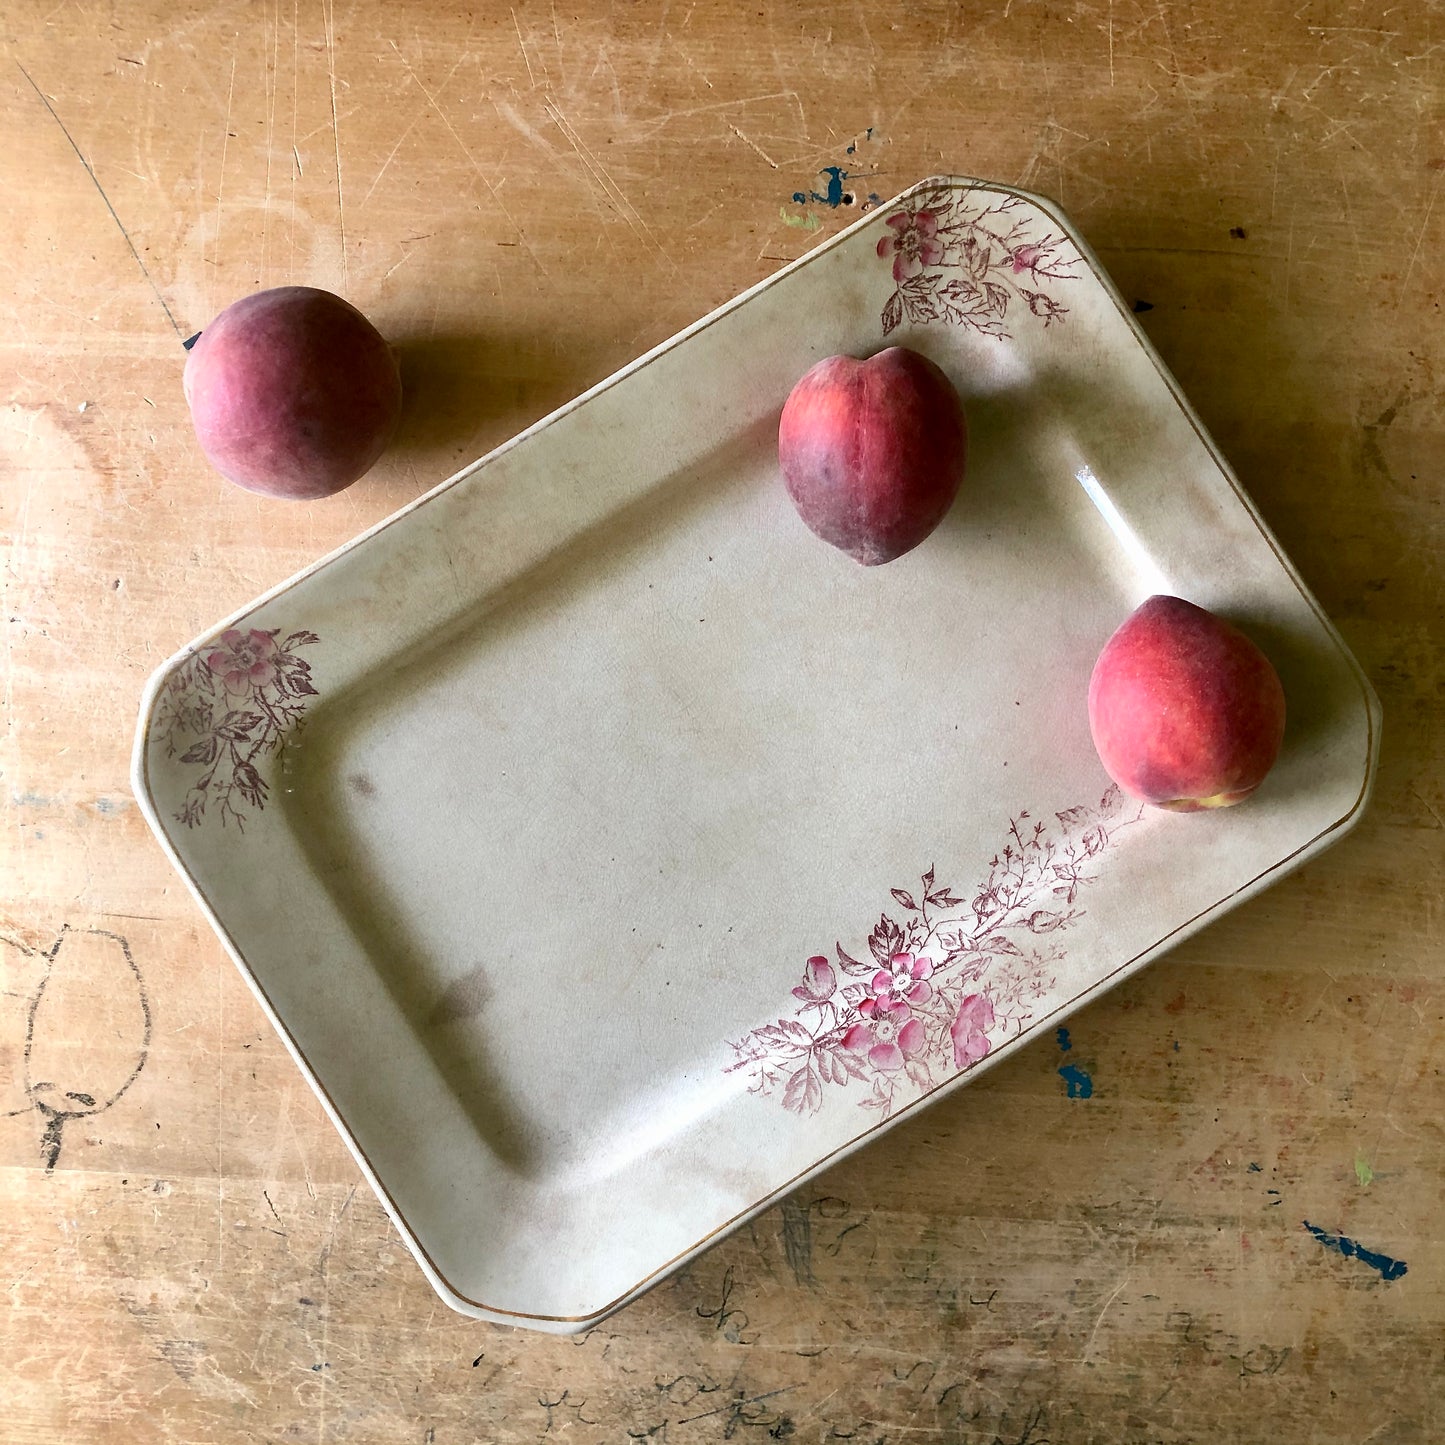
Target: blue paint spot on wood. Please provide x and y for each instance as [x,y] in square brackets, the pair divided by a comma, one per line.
[831,194]
[1254,1168]
[1343,1244]
[1076,1079]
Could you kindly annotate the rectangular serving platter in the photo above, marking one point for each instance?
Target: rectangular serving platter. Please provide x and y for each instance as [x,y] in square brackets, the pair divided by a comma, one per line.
[612,855]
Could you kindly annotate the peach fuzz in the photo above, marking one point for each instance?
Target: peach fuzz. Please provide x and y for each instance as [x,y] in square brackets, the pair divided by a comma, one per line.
[1185,711]
[293,393]
[873,451]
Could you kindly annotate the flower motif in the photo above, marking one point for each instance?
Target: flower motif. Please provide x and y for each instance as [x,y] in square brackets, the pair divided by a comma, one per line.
[889,1035]
[969,1029]
[914,243]
[245,660]
[1025,258]
[905,978]
[818,983]
[1044,306]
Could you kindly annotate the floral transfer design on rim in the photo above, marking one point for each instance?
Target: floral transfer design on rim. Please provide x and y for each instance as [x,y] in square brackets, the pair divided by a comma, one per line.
[228,705]
[946,982]
[966,262]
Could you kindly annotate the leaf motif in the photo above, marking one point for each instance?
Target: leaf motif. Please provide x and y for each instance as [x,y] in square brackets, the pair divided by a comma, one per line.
[1001,945]
[962,290]
[997,297]
[851,1064]
[771,1036]
[928,879]
[904,899]
[1073,817]
[892,312]
[202,752]
[804,1091]
[298,639]
[885,939]
[236,726]
[922,307]
[917,1070]
[851,965]
[854,993]
[1095,840]
[944,899]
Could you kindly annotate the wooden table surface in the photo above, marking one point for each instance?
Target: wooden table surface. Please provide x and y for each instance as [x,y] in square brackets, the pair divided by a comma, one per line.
[525,198]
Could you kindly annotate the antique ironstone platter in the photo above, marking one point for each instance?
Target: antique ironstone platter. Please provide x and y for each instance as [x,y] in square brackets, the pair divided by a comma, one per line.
[612,855]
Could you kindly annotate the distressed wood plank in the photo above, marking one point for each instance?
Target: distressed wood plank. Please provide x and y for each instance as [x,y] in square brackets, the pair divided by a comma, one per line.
[525,198]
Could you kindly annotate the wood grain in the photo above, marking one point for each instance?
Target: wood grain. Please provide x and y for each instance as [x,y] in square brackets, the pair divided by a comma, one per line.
[524,198]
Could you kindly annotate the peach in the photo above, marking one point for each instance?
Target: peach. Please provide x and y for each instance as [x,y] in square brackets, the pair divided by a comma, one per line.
[873,451]
[1186,712]
[292,392]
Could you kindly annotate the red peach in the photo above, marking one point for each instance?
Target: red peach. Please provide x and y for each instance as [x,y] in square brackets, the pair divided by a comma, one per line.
[292,392]
[1186,712]
[873,451]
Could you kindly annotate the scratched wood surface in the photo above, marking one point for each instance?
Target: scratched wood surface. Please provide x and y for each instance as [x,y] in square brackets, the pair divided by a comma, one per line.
[1108,1246]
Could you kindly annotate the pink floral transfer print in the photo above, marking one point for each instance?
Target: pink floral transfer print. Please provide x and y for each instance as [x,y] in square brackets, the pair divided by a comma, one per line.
[227,706]
[913,244]
[969,262]
[950,980]
[244,660]
[969,1029]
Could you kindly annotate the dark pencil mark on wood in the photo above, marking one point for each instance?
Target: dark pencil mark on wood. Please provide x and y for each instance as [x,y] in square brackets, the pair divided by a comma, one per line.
[949,1389]
[732,1322]
[684,1389]
[736,1409]
[48,1044]
[798,1240]
[45,101]
[906,1376]
[183,1356]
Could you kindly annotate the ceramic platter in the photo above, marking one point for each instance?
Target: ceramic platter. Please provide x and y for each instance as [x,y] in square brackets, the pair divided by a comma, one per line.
[612,855]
